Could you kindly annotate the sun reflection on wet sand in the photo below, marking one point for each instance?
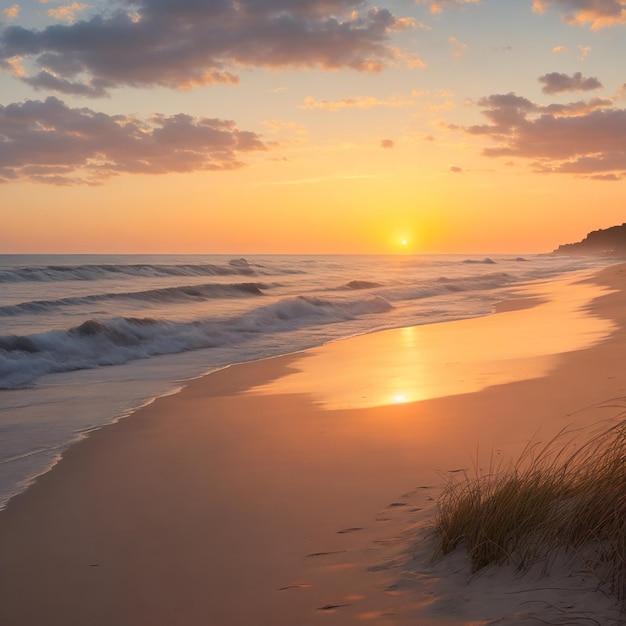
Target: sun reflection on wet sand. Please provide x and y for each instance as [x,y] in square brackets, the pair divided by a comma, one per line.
[436,360]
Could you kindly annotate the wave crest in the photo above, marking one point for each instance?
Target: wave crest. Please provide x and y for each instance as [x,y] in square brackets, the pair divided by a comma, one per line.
[163,295]
[86,272]
[99,342]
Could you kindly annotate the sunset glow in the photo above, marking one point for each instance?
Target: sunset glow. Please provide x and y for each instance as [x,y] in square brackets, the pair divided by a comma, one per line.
[442,118]
[437,360]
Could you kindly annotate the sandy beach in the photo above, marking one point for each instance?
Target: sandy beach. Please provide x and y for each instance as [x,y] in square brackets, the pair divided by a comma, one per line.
[299,490]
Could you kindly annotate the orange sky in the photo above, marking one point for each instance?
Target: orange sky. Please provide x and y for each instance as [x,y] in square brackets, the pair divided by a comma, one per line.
[333,126]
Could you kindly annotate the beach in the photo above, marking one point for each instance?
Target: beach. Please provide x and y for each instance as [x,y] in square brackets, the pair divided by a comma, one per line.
[299,489]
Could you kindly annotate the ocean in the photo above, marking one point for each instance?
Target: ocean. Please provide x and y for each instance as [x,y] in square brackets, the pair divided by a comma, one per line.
[86,339]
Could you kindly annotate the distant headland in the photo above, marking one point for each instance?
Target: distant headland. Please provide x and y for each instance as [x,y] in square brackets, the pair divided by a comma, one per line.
[607,242]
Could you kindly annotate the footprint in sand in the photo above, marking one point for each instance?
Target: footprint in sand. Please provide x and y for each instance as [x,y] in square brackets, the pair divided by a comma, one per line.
[345,531]
[314,554]
[331,607]
[295,586]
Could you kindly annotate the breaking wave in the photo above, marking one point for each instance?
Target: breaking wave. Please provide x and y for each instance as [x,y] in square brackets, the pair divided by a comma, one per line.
[87,272]
[485,261]
[169,295]
[443,286]
[96,343]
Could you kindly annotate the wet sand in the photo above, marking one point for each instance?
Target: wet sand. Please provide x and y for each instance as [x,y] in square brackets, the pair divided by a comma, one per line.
[269,493]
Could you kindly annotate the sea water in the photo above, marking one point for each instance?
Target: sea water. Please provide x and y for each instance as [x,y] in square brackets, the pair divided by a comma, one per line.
[85,340]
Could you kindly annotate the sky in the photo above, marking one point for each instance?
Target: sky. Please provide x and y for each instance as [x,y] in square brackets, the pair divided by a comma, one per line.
[310,126]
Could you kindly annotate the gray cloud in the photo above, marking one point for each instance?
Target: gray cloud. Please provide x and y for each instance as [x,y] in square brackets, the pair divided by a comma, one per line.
[505,112]
[49,82]
[585,138]
[555,83]
[198,42]
[52,143]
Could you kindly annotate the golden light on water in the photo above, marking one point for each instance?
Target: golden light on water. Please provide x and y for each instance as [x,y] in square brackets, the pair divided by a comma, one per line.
[401,366]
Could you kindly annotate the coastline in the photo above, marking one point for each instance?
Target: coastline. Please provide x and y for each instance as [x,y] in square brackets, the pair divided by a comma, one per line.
[224,506]
[310,301]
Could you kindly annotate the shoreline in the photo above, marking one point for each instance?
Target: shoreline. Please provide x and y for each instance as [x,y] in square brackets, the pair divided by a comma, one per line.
[216,504]
[92,398]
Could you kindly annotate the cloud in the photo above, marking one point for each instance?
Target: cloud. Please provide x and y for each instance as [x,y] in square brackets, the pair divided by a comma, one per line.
[415,62]
[437,6]
[12,12]
[559,49]
[277,127]
[387,143]
[52,143]
[620,94]
[458,48]
[555,83]
[49,82]
[584,52]
[455,169]
[599,13]
[359,102]
[408,23]
[410,60]
[605,177]
[14,66]
[574,109]
[188,43]
[585,138]
[67,13]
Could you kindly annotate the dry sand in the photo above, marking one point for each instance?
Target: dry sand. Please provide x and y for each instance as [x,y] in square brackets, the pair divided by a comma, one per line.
[270,494]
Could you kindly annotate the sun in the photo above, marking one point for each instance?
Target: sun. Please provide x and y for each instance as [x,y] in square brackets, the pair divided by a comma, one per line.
[401,241]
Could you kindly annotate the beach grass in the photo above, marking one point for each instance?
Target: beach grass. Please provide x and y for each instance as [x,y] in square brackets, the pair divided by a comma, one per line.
[567,497]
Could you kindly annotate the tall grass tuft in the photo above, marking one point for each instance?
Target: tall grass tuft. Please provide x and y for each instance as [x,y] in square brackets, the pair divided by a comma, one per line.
[564,498]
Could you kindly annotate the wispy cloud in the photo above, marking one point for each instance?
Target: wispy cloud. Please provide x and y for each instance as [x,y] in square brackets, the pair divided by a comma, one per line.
[358,102]
[188,43]
[67,13]
[458,48]
[14,66]
[50,142]
[437,6]
[597,13]
[288,128]
[45,81]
